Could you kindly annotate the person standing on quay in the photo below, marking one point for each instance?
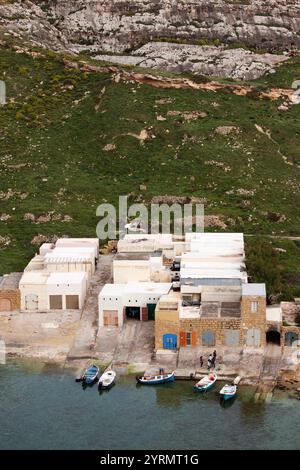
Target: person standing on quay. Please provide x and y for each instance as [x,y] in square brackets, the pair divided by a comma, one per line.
[214,358]
[201,362]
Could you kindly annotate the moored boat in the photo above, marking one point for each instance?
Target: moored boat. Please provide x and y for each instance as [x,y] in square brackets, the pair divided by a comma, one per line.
[228,391]
[90,375]
[156,379]
[107,379]
[206,383]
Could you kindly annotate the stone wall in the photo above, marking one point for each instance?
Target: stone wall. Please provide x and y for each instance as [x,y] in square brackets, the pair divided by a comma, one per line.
[217,325]
[163,327]
[12,296]
[253,320]
[289,329]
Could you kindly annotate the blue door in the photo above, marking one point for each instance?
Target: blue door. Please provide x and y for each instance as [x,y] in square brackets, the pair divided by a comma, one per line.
[208,338]
[170,341]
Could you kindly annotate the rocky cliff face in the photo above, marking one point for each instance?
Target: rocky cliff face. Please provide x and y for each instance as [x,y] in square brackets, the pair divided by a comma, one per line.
[118,25]
[26,20]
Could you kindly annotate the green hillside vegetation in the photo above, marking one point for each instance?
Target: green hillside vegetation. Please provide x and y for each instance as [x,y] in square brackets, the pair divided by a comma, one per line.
[69,141]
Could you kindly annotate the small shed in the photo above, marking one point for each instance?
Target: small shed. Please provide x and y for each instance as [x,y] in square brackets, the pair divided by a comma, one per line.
[66,291]
[71,260]
[33,291]
[78,243]
[139,267]
[43,291]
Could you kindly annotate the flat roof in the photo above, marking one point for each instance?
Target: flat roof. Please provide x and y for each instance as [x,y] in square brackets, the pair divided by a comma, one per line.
[79,243]
[67,259]
[71,241]
[219,273]
[254,289]
[136,256]
[212,264]
[35,277]
[216,236]
[69,254]
[136,288]
[148,236]
[274,313]
[218,281]
[66,278]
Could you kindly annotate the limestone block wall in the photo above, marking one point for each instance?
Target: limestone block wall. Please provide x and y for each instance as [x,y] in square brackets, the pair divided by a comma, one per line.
[289,329]
[163,327]
[10,299]
[253,320]
[217,325]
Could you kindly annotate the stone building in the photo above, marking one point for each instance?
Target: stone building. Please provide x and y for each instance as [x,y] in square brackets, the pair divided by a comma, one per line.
[211,324]
[9,292]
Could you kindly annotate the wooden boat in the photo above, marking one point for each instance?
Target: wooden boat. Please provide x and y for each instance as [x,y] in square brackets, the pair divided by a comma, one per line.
[156,379]
[206,383]
[228,391]
[107,379]
[90,375]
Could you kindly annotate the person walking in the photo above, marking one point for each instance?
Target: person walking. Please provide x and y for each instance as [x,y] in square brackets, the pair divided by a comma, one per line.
[201,362]
[209,362]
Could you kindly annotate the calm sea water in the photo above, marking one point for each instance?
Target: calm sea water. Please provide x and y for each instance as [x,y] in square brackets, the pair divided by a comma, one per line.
[41,407]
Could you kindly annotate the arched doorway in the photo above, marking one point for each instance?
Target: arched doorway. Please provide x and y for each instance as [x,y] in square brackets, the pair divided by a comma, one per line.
[273,337]
[291,338]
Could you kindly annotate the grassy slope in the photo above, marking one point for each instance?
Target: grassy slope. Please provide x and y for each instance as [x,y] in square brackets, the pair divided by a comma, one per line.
[51,127]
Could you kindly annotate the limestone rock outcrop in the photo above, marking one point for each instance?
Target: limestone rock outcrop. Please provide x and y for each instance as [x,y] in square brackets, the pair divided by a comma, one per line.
[215,61]
[119,25]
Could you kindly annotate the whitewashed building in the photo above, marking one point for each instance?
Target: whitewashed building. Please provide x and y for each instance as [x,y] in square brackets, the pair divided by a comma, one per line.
[132,300]
[57,277]
[139,267]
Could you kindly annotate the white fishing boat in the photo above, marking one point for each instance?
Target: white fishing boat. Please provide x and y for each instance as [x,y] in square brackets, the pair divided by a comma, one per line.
[206,383]
[228,391]
[107,379]
[156,379]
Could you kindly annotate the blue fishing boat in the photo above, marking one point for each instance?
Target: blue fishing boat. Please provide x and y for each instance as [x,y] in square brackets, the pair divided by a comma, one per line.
[228,391]
[156,379]
[90,375]
[206,383]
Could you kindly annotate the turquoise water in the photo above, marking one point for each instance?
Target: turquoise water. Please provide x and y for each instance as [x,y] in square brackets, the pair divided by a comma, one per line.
[41,407]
